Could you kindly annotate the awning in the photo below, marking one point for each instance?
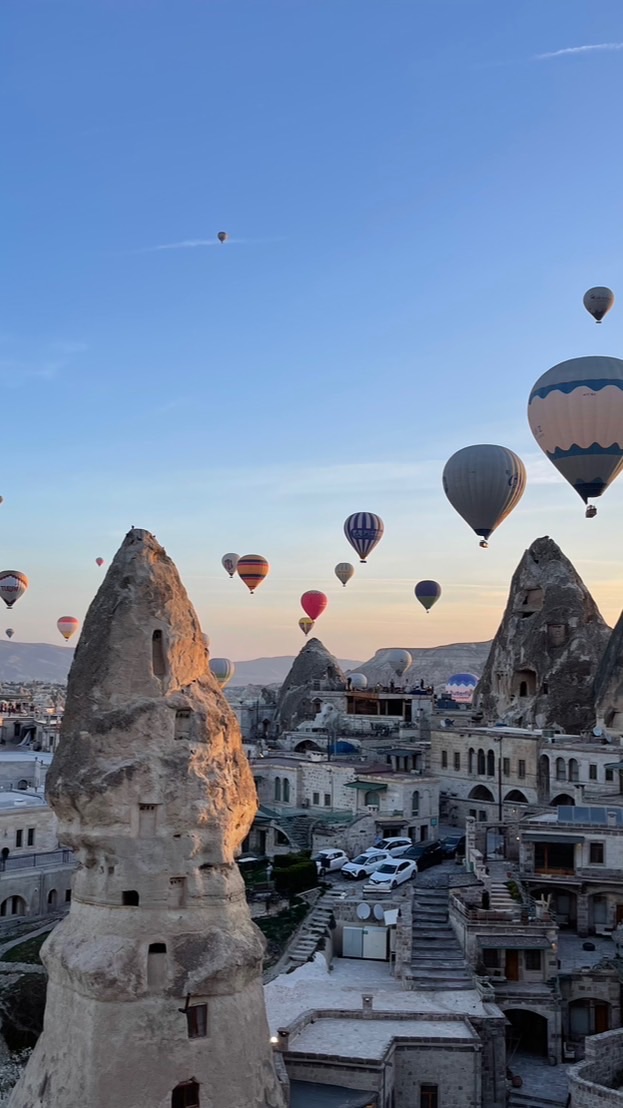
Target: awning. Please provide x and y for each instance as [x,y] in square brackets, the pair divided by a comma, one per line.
[613,765]
[514,942]
[369,786]
[556,838]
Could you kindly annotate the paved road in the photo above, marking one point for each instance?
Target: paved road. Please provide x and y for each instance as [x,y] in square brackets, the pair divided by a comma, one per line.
[437,877]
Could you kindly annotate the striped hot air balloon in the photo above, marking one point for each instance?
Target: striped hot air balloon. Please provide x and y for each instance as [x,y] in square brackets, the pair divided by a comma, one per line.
[13,584]
[223,670]
[428,593]
[306,624]
[461,687]
[252,569]
[67,626]
[344,571]
[364,531]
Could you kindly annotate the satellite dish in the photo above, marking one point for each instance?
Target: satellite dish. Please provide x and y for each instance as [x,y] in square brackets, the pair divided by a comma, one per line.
[379,911]
[598,732]
[364,911]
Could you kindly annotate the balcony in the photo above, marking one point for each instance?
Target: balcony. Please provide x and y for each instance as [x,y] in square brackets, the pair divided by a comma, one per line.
[50,858]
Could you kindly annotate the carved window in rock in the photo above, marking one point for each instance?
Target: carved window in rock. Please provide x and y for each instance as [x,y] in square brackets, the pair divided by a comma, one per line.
[158,662]
[185,1095]
[177,892]
[524,682]
[183,718]
[482,765]
[130,898]
[147,818]
[490,764]
[531,601]
[197,1021]
[156,965]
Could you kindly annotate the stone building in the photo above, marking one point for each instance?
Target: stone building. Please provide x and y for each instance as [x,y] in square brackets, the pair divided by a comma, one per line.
[154,978]
[596,1082]
[544,657]
[35,873]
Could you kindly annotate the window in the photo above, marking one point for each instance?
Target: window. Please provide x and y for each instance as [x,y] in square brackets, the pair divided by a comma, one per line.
[592,772]
[521,768]
[185,1095]
[67,896]
[429,1096]
[19,838]
[147,820]
[286,790]
[30,839]
[532,959]
[327,800]
[481,762]
[156,965]
[506,767]
[473,813]
[129,898]
[561,770]
[470,760]
[457,759]
[609,775]
[444,759]
[315,799]
[482,816]
[277,788]
[197,1020]
[491,958]
[415,803]
[490,764]
[182,724]
[157,654]
[596,855]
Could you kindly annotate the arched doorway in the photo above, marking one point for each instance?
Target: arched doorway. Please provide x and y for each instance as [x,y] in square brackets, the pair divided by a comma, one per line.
[306,745]
[52,898]
[527,1032]
[588,1016]
[13,906]
[515,796]
[481,792]
[563,800]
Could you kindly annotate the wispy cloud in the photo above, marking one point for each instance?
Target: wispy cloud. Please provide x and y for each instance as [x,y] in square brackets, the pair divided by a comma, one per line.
[185,244]
[571,51]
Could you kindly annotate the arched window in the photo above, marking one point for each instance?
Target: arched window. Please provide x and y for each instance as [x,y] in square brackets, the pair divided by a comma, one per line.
[52,898]
[490,764]
[371,797]
[481,762]
[158,664]
[574,770]
[286,790]
[470,760]
[415,803]
[277,788]
[523,688]
[561,770]
[13,906]
[185,1095]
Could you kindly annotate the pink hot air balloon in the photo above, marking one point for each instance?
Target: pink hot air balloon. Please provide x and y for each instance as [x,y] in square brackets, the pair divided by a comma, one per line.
[67,626]
[314,603]
[99,561]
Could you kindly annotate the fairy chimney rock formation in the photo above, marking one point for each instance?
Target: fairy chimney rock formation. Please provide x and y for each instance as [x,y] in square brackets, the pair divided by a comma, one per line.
[609,684]
[542,663]
[155,992]
[313,671]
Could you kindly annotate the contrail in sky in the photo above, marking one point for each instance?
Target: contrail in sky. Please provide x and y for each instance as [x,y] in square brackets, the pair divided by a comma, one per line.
[571,50]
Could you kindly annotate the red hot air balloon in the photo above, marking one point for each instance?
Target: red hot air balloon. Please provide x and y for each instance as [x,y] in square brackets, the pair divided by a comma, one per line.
[314,603]
[99,561]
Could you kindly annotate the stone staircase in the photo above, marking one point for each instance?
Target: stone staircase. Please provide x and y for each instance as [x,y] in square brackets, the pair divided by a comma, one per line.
[437,960]
[299,830]
[311,932]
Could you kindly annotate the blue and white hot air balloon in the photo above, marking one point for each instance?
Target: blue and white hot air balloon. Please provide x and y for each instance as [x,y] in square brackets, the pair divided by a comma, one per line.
[364,531]
[461,687]
[575,412]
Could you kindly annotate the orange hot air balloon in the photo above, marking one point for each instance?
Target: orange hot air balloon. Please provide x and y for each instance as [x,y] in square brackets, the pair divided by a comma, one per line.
[99,561]
[314,603]
[252,569]
[67,626]
[13,584]
[306,624]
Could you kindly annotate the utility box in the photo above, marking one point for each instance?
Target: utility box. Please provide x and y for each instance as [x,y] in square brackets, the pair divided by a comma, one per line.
[365,942]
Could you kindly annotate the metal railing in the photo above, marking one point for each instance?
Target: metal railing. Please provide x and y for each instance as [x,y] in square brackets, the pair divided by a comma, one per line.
[37,861]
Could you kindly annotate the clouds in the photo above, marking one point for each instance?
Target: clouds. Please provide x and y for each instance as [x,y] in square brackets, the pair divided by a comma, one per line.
[574,51]
[185,244]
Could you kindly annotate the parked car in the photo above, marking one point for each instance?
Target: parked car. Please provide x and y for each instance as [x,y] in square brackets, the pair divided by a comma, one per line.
[425,854]
[393,873]
[365,864]
[394,846]
[453,846]
[329,860]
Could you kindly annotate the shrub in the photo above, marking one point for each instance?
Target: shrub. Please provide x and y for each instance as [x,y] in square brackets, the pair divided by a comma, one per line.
[290,880]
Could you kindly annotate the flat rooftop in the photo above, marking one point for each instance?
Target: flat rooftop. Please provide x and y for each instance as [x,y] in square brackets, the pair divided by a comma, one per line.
[371,1038]
[14,798]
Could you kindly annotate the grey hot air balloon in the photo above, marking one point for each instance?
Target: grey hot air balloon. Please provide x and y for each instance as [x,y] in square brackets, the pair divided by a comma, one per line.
[344,571]
[483,484]
[223,670]
[598,302]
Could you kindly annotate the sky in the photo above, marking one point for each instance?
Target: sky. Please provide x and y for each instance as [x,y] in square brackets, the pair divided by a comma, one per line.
[417,196]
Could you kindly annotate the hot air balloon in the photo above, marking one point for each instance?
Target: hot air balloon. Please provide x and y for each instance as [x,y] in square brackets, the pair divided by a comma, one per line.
[461,687]
[9,632]
[358,681]
[598,302]
[428,593]
[344,571]
[400,660]
[483,484]
[575,412]
[222,236]
[206,639]
[306,624]
[229,562]
[314,603]
[1,500]
[252,569]
[99,561]
[13,584]
[363,531]
[223,670]
[67,626]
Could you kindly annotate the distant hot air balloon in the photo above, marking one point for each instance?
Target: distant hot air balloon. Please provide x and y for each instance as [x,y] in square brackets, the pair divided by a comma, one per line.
[483,484]
[252,569]
[314,603]
[400,660]
[461,687]
[99,561]
[229,562]
[67,626]
[575,412]
[206,639]
[344,571]
[428,593]
[363,531]
[222,236]
[1,500]
[358,681]
[306,624]
[223,670]
[598,302]
[9,632]
[13,584]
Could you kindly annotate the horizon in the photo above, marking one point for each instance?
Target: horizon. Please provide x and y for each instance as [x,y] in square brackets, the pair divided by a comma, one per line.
[417,197]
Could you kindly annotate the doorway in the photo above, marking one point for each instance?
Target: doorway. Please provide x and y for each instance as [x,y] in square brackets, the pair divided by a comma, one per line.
[512,965]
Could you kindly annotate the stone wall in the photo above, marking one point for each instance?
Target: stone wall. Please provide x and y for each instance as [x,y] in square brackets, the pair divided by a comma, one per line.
[454,1067]
[39,819]
[590,1082]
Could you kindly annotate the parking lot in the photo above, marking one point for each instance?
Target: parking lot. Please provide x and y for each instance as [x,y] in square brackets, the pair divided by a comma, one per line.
[437,877]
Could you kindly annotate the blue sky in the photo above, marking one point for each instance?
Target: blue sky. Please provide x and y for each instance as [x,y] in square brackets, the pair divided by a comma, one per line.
[416,200]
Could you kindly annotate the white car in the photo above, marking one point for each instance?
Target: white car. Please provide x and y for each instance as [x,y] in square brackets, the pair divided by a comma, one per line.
[365,864]
[329,860]
[392,873]
[394,846]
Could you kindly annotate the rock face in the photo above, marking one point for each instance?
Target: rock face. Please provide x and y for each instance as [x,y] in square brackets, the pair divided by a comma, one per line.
[155,995]
[542,663]
[314,669]
[431,664]
[609,683]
